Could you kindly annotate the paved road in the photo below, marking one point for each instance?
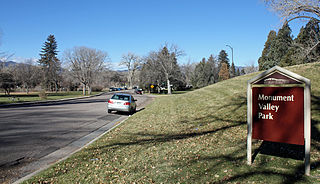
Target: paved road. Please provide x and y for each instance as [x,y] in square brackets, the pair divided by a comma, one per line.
[28,133]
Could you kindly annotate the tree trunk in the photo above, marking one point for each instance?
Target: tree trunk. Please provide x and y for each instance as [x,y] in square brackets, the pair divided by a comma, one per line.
[7,91]
[131,79]
[158,87]
[169,87]
[56,87]
[84,89]
[130,82]
[89,90]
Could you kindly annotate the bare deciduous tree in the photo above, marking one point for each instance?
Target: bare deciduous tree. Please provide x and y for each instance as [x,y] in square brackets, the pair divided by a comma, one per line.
[168,62]
[7,81]
[188,71]
[27,75]
[85,64]
[150,72]
[289,10]
[250,69]
[132,62]
[309,42]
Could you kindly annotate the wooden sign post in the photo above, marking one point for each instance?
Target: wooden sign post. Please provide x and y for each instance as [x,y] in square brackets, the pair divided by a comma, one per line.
[279,110]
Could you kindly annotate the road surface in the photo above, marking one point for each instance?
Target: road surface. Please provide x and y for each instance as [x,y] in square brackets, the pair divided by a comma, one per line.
[30,132]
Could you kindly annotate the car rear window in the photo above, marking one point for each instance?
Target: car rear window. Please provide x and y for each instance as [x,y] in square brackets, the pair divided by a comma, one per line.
[121,97]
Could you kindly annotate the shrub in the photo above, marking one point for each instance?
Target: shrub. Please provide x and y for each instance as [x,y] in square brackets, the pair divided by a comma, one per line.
[97,88]
[43,95]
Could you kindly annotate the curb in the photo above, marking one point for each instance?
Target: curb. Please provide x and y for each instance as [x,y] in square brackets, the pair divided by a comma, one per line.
[48,101]
[70,149]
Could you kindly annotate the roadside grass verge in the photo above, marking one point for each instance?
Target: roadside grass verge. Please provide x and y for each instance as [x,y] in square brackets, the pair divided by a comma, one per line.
[196,137]
[34,96]
[174,92]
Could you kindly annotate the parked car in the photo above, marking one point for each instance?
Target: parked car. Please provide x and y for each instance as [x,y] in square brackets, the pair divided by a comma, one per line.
[138,91]
[112,89]
[122,102]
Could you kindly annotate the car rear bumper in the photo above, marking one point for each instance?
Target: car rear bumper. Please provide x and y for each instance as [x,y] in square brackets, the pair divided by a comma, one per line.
[118,108]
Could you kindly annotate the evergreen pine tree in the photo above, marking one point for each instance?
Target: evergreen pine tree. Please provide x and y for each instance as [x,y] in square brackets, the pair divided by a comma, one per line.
[176,78]
[279,47]
[223,58]
[232,70]
[307,43]
[200,79]
[266,51]
[238,72]
[213,74]
[287,60]
[205,73]
[224,72]
[242,72]
[50,64]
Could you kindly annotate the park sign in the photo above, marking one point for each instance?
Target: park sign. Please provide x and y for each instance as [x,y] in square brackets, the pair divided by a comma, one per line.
[278,103]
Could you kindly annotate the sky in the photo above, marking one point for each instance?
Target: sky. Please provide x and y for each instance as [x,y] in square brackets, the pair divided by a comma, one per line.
[198,27]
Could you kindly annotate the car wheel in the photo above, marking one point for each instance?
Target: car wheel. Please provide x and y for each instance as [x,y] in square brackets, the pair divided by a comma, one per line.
[109,111]
[131,112]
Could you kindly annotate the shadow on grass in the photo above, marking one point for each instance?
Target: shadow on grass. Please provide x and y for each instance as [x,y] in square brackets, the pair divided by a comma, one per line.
[247,173]
[266,148]
[237,158]
[315,132]
[282,150]
[161,138]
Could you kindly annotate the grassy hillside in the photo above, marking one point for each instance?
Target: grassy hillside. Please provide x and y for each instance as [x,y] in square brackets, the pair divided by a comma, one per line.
[197,137]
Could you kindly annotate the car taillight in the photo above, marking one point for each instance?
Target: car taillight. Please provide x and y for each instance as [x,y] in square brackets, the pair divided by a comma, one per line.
[110,102]
[127,103]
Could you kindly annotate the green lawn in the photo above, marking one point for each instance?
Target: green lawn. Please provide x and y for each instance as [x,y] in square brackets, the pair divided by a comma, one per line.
[34,96]
[173,92]
[196,137]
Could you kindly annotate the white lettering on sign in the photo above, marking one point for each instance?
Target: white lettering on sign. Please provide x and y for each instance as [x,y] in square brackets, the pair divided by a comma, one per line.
[265,116]
[269,106]
[276,98]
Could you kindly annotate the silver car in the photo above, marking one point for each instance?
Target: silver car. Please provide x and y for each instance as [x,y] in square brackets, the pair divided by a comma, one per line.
[122,102]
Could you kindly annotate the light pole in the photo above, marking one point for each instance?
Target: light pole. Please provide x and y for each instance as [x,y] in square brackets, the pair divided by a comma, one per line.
[231,51]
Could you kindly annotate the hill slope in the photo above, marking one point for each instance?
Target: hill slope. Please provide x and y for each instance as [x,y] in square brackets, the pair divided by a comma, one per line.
[196,137]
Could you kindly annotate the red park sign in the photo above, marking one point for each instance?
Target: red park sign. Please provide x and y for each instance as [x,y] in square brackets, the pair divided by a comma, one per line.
[278,110]
[277,114]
